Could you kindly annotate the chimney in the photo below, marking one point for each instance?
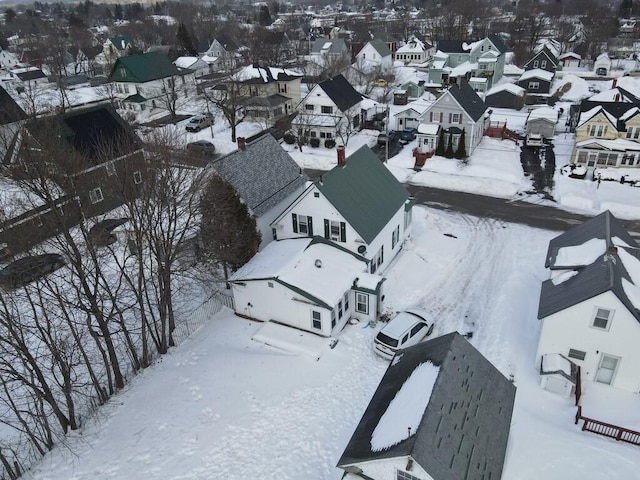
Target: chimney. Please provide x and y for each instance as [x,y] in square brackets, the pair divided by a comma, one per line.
[242,143]
[342,161]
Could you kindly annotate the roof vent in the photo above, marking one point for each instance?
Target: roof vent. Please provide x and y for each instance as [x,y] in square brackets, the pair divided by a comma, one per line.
[612,250]
[318,263]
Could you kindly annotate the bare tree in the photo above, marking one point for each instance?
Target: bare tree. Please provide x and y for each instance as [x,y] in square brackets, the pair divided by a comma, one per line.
[228,96]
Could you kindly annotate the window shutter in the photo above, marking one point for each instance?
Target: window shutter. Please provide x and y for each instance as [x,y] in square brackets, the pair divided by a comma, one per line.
[431,116]
[326,229]
[294,217]
[440,117]
[310,225]
[460,118]
[450,117]
[343,232]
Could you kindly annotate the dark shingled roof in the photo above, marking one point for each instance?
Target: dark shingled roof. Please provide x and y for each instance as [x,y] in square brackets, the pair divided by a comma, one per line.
[31,75]
[499,43]
[451,46]
[380,47]
[468,100]
[263,174]
[95,132]
[10,111]
[341,92]
[464,430]
[604,274]
[144,68]
[364,191]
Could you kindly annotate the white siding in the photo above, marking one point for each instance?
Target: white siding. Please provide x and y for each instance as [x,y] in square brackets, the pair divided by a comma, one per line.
[264,222]
[572,328]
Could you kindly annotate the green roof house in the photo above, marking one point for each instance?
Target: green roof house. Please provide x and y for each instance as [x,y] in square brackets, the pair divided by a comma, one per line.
[149,81]
[358,205]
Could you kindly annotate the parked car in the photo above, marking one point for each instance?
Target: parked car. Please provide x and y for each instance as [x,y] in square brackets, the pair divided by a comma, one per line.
[197,123]
[405,329]
[28,269]
[201,146]
[389,136]
[408,134]
[381,82]
[601,71]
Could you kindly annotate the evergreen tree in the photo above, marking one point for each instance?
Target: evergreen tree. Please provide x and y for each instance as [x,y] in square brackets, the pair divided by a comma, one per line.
[117,12]
[184,40]
[449,152]
[228,232]
[265,17]
[461,151]
[9,15]
[440,146]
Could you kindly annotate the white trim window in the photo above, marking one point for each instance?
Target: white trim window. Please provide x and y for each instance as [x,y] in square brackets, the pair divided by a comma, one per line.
[302,224]
[316,320]
[95,195]
[633,133]
[137,177]
[402,475]
[533,85]
[377,260]
[395,236]
[602,318]
[597,130]
[362,303]
[110,167]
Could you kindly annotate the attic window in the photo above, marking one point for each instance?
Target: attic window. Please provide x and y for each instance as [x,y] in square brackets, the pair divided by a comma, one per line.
[123,72]
[602,318]
[402,475]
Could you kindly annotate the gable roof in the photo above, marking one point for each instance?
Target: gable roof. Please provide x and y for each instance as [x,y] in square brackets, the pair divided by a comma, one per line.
[595,257]
[258,74]
[468,99]
[122,42]
[364,191]
[545,52]
[478,402]
[227,42]
[498,42]
[452,46]
[341,92]
[145,68]
[97,133]
[329,45]
[380,47]
[537,73]
[263,174]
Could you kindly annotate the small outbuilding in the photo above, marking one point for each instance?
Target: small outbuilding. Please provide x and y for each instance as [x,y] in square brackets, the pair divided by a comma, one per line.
[506,95]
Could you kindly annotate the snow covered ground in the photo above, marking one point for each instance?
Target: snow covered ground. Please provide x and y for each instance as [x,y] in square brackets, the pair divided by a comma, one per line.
[221,406]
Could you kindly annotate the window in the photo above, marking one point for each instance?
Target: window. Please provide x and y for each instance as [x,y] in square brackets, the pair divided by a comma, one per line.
[597,130]
[340,309]
[577,354]
[282,88]
[110,167]
[333,319]
[302,224]
[316,194]
[335,230]
[346,302]
[308,107]
[543,64]
[395,236]
[95,195]
[602,318]
[535,64]
[417,328]
[377,260]
[137,178]
[316,320]
[362,303]
[534,85]
[456,118]
[402,475]
[326,109]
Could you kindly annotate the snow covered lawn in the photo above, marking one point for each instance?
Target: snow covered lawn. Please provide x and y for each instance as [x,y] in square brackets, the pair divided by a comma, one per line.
[221,406]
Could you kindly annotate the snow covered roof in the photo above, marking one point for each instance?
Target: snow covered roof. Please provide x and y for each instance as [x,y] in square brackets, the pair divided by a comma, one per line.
[314,268]
[617,145]
[605,257]
[429,128]
[420,383]
[464,68]
[185,62]
[544,113]
[570,55]
[555,363]
[258,74]
[537,73]
[413,46]
[589,114]
[508,87]
[511,69]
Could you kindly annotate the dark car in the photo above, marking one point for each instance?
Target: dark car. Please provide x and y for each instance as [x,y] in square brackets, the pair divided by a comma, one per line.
[197,123]
[100,234]
[201,146]
[408,134]
[383,138]
[28,269]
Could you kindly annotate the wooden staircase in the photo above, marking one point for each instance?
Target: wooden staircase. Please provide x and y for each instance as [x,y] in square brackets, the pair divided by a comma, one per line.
[498,130]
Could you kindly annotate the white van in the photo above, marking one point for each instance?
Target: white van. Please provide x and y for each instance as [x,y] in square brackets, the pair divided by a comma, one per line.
[405,329]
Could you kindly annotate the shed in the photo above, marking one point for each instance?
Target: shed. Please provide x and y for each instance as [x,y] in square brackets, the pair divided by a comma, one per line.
[506,95]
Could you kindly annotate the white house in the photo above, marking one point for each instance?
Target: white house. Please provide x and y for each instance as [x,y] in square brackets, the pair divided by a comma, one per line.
[265,177]
[308,283]
[410,116]
[459,108]
[414,51]
[223,54]
[375,55]
[602,65]
[441,411]
[332,107]
[358,204]
[590,307]
[149,81]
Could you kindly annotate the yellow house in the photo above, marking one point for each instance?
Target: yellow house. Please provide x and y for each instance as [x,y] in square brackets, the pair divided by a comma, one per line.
[607,140]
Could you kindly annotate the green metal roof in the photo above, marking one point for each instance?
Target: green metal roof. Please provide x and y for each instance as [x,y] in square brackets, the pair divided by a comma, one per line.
[364,191]
[122,42]
[381,47]
[135,98]
[145,68]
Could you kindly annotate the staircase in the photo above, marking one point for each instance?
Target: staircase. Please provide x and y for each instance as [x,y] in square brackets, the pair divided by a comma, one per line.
[498,130]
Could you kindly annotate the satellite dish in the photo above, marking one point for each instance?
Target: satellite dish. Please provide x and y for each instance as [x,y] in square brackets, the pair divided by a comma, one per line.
[362,249]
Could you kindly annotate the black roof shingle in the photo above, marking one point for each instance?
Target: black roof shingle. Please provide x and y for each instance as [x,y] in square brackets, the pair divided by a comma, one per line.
[341,92]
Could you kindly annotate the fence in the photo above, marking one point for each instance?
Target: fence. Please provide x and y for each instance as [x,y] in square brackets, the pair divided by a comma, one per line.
[200,315]
[619,434]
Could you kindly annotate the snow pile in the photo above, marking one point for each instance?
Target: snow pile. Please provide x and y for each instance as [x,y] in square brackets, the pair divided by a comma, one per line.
[578,88]
[630,175]
[406,409]
[554,362]
[631,286]
[558,277]
[580,255]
